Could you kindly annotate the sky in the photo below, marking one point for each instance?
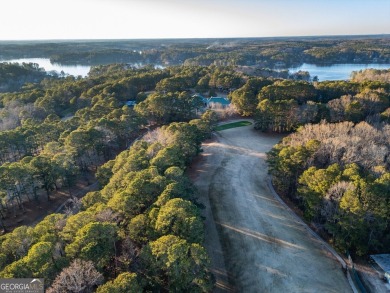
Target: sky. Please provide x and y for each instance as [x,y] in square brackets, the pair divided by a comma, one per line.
[144,19]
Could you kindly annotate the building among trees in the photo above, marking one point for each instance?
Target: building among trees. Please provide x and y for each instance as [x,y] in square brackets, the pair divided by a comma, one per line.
[214,101]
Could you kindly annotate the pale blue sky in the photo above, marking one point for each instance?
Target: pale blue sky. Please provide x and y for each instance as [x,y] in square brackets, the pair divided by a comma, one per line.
[126,19]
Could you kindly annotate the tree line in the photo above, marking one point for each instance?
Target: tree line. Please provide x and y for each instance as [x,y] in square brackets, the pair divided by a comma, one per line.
[284,105]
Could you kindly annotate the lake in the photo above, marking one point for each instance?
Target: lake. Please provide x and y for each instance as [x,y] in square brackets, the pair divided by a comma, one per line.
[330,72]
[336,71]
[75,70]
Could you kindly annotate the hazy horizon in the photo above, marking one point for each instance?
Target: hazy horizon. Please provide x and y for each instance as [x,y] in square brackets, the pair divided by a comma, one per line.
[174,19]
[200,38]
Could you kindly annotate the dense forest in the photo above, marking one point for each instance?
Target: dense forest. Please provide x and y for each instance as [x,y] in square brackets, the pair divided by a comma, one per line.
[142,229]
[284,105]
[337,167]
[338,173]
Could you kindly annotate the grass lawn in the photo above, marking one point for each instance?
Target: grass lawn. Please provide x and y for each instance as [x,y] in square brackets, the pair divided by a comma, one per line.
[233,125]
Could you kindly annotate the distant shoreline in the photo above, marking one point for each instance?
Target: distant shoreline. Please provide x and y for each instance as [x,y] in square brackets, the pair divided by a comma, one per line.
[316,37]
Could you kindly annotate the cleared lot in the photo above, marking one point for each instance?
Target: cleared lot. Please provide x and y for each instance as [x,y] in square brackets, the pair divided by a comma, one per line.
[254,242]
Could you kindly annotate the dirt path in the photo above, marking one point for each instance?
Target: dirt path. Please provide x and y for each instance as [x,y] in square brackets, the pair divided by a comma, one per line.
[254,242]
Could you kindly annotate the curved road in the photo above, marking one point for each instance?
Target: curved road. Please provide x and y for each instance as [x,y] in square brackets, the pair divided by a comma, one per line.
[254,242]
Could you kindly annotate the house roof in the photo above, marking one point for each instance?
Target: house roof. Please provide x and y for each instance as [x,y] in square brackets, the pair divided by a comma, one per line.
[219,100]
[131,103]
[200,96]
[383,260]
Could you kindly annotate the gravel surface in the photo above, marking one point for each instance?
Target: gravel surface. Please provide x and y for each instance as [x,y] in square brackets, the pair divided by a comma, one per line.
[254,243]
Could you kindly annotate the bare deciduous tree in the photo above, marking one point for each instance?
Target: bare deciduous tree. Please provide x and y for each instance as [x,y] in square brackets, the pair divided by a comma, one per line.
[332,198]
[107,215]
[345,143]
[80,277]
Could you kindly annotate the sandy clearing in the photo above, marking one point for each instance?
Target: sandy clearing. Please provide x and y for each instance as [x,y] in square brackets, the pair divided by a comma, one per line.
[254,242]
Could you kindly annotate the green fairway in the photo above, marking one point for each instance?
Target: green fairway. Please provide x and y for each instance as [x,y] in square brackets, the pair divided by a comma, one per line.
[233,125]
